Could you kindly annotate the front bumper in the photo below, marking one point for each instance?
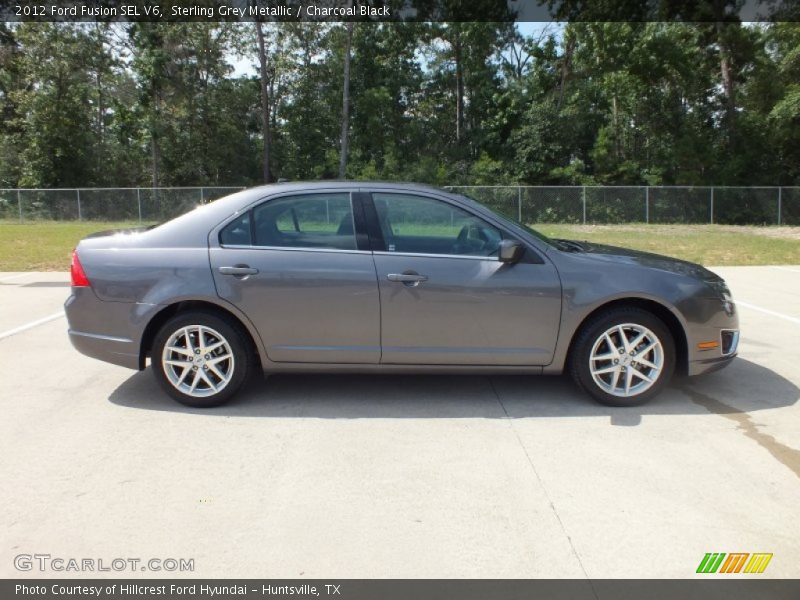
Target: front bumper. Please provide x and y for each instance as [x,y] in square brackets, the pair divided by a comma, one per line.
[699,367]
[720,324]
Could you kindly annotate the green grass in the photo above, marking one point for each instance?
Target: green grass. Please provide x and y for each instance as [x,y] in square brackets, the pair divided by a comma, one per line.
[46,245]
[718,245]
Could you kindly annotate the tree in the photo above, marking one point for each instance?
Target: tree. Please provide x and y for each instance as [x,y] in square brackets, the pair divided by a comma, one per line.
[265,105]
[10,123]
[442,102]
[54,106]
[346,99]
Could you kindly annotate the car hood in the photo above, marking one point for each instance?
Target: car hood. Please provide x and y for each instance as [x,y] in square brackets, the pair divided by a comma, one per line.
[614,254]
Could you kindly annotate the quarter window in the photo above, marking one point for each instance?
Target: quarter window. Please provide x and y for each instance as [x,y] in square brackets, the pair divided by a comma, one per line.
[421,225]
[237,233]
[307,221]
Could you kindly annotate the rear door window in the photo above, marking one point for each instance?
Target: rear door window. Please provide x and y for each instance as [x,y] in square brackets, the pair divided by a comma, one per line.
[323,221]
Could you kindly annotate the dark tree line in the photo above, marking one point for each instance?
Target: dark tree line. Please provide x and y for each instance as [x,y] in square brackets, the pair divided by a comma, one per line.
[448,103]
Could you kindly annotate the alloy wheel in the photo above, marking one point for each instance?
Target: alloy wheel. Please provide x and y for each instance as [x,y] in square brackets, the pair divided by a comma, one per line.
[626,360]
[198,361]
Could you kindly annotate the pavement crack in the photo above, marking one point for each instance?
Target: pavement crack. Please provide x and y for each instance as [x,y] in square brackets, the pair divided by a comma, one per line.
[541,484]
[787,456]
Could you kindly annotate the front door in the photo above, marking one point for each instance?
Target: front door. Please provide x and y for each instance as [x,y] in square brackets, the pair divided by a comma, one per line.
[446,299]
[293,265]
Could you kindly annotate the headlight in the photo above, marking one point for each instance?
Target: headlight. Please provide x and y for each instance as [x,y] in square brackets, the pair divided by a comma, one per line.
[728,306]
[721,288]
[724,293]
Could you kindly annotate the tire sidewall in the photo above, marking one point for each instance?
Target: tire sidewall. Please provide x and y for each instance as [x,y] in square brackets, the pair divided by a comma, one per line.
[581,371]
[236,341]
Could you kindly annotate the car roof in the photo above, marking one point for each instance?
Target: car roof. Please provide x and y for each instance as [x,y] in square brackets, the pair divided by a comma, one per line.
[290,186]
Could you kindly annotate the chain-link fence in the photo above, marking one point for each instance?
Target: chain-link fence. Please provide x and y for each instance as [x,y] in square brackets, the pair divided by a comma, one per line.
[143,205]
[642,204]
[529,204]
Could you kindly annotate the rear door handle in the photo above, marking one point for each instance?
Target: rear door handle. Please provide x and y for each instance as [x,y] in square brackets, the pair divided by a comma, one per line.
[238,270]
[409,279]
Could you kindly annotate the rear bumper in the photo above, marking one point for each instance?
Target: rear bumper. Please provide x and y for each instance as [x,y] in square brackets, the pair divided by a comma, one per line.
[117,351]
[102,330]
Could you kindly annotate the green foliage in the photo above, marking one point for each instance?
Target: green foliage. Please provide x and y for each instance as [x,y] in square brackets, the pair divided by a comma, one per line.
[655,103]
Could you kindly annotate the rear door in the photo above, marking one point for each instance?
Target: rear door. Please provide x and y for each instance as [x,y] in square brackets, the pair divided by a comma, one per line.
[446,299]
[298,268]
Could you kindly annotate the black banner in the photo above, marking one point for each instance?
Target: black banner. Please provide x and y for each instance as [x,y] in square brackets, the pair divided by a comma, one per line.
[399,10]
[391,589]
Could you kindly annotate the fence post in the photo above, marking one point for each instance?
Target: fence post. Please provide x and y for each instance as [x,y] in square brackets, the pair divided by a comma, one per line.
[78,193]
[519,203]
[647,204]
[202,196]
[583,197]
[779,205]
[711,214]
[19,204]
[139,203]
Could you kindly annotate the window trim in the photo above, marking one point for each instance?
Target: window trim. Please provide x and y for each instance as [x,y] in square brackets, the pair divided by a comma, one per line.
[295,249]
[431,255]
[534,254]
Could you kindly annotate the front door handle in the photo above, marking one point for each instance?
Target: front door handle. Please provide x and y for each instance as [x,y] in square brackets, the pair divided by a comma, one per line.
[409,279]
[238,270]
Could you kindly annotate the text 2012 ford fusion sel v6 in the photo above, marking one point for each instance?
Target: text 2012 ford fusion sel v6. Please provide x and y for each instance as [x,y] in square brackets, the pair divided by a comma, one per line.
[380,277]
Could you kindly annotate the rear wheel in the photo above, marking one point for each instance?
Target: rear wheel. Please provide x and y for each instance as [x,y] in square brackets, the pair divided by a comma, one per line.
[200,359]
[623,357]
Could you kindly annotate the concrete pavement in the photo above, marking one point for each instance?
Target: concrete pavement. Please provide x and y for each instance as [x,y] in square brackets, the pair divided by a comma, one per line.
[400,476]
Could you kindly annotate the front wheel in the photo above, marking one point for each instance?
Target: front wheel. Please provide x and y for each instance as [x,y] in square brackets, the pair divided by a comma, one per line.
[200,359]
[623,357]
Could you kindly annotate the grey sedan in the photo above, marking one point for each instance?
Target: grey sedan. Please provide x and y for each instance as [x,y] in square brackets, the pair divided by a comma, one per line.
[389,278]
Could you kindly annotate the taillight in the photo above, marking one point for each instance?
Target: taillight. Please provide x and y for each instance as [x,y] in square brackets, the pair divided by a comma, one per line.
[79,278]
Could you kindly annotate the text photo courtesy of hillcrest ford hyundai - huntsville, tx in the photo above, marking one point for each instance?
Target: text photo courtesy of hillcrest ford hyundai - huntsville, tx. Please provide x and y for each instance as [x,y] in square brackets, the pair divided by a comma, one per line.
[436,300]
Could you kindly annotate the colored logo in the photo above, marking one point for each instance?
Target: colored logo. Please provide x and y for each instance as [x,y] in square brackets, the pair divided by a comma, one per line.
[735,562]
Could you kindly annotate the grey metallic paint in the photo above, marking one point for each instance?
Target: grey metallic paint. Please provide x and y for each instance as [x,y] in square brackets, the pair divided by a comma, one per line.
[336,288]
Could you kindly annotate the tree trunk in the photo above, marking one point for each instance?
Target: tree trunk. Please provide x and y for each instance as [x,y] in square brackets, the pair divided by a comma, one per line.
[155,150]
[346,102]
[615,119]
[99,85]
[566,68]
[459,85]
[155,155]
[727,76]
[729,86]
[265,108]
[100,154]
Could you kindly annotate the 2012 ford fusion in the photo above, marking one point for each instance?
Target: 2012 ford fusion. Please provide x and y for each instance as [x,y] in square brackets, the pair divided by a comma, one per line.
[389,278]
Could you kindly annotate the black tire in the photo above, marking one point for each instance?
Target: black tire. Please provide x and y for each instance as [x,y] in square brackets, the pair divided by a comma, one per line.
[237,341]
[589,334]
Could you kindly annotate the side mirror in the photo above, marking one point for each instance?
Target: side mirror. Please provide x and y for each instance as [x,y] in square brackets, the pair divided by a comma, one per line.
[510,251]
